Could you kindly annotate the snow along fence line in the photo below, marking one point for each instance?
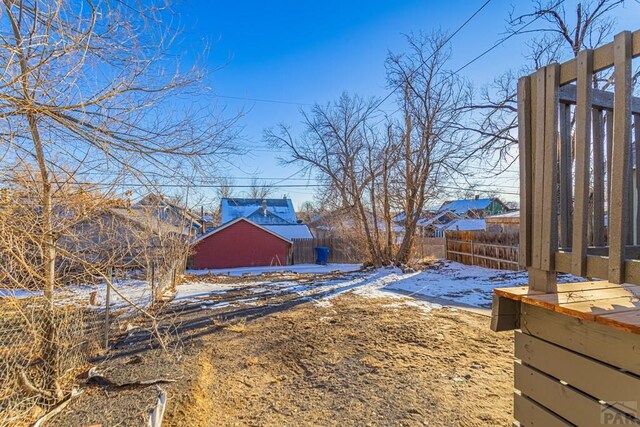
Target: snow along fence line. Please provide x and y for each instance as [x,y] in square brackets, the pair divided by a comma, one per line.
[499,251]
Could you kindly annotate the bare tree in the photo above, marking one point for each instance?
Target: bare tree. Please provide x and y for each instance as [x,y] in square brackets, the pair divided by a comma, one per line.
[336,145]
[85,93]
[259,189]
[225,189]
[433,147]
[556,36]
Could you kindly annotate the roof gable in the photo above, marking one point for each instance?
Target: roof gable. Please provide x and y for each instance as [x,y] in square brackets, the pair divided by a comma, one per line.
[230,223]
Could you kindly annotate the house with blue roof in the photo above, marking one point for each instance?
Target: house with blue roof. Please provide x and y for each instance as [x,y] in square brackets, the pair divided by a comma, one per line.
[275,215]
[475,208]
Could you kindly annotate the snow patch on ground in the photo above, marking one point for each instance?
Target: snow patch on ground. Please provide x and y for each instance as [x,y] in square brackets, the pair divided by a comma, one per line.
[463,283]
[298,268]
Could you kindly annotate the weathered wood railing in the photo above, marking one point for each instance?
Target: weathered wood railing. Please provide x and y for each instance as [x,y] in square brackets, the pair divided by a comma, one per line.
[577,345]
[579,189]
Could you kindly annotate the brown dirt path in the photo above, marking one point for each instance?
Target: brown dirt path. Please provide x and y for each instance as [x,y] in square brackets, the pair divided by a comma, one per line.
[358,362]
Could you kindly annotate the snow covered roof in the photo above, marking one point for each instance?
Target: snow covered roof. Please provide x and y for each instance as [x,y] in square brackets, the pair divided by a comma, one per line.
[231,208]
[466,225]
[291,231]
[461,207]
[515,215]
[233,221]
[435,219]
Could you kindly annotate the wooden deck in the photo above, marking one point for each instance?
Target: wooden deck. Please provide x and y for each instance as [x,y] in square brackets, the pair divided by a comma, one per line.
[614,305]
[577,353]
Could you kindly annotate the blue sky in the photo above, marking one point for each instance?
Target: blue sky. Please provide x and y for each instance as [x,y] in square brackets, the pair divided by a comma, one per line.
[301,52]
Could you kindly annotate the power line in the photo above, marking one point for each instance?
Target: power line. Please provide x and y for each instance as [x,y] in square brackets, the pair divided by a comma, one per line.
[271,101]
[447,40]
[495,45]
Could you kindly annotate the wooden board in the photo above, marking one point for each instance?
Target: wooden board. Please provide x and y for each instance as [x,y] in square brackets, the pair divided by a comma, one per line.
[602,59]
[618,220]
[582,295]
[518,292]
[583,165]
[549,189]
[599,341]
[607,383]
[569,403]
[525,145]
[531,414]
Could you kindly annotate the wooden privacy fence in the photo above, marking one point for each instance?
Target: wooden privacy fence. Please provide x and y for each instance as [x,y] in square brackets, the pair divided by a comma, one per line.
[484,249]
[424,247]
[340,250]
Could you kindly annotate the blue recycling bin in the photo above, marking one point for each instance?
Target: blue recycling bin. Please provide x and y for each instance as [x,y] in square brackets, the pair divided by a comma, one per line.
[322,255]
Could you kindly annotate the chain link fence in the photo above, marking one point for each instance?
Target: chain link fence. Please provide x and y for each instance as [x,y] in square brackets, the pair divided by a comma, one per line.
[44,347]
[41,350]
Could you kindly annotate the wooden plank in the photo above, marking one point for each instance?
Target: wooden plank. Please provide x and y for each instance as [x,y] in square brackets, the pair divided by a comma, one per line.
[636,204]
[628,320]
[601,99]
[550,163]
[552,301]
[517,293]
[538,166]
[505,314]
[525,144]
[602,59]
[565,174]
[590,376]
[621,143]
[606,343]
[609,147]
[530,413]
[598,178]
[565,401]
[583,166]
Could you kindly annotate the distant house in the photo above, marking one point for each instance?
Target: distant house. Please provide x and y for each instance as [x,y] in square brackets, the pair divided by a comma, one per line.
[253,232]
[475,208]
[434,223]
[276,215]
[240,243]
[170,212]
[505,223]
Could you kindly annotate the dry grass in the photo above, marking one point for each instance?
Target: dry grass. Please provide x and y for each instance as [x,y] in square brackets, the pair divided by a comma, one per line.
[238,325]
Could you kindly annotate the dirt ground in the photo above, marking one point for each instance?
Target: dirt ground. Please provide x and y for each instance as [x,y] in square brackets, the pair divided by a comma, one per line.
[287,361]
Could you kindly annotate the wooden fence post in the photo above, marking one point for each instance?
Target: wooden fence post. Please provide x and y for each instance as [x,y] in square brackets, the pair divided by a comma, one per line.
[106,311]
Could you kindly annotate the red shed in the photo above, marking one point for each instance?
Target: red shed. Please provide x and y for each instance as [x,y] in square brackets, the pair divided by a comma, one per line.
[240,243]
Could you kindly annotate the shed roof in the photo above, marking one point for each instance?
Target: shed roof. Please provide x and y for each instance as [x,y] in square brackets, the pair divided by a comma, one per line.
[291,231]
[234,221]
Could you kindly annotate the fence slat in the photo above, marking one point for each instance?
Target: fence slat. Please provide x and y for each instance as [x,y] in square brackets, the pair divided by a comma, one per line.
[538,164]
[549,234]
[565,174]
[598,178]
[526,167]
[636,224]
[583,154]
[620,150]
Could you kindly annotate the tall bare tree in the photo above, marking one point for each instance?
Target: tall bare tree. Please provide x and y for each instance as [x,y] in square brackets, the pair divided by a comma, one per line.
[87,91]
[337,146]
[433,146]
